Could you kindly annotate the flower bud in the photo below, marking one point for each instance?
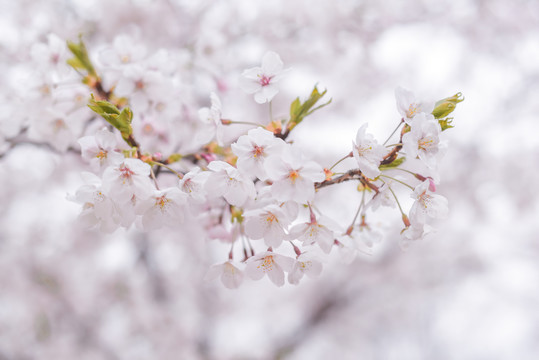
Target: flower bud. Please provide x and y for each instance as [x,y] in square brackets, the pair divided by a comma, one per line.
[405,220]
[446,106]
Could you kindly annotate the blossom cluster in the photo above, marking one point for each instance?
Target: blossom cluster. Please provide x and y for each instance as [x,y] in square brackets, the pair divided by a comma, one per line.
[154,167]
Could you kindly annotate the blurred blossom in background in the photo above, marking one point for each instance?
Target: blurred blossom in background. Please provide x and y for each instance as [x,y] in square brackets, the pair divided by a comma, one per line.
[467,292]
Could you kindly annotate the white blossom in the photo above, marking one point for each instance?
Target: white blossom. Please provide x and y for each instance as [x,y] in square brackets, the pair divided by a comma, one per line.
[293,177]
[127,179]
[262,80]
[269,263]
[163,208]
[99,149]
[315,231]
[408,106]
[268,223]
[427,205]
[231,276]
[225,180]
[368,153]
[253,149]
[305,264]
[423,140]
[211,120]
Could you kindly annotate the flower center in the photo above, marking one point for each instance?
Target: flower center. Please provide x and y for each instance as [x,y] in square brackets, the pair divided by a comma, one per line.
[257,151]
[425,199]
[102,154]
[125,172]
[412,110]
[162,202]
[267,264]
[265,80]
[426,143]
[139,84]
[293,175]
[270,218]
[58,125]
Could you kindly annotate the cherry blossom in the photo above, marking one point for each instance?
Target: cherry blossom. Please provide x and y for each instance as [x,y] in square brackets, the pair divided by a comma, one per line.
[268,223]
[99,150]
[408,106]
[231,276]
[211,120]
[382,198]
[124,51]
[52,55]
[427,205]
[253,149]
[163,208]
[98,209]
[192,184]
[423,140]
[313,232]
[293,177]
[127,179]
[269,263]
[368,153]
[262,80]
[306,264]
[225,180]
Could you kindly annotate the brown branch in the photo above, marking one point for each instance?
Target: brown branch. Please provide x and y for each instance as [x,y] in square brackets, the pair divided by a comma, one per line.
[392,155]
[354,174]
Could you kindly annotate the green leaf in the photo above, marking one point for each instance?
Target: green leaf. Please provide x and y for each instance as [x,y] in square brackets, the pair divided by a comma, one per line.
[446,123]
[298,110]
[121,120]
[444,107]
[81,60]
[393,164]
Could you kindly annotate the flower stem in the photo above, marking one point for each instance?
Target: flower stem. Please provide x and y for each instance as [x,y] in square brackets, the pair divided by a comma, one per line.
[152,174]
[397,200]
[397,180]
[350,154]
[357,213]
[243,123]
[167,167]
[394,131]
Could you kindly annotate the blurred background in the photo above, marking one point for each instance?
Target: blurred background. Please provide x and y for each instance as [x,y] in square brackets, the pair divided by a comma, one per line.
[468,292]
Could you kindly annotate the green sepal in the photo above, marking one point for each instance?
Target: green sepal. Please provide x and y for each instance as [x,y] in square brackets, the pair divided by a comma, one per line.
[446,106]
[393,164]
[299,111]
[81,61]
[121,120]
[236,215]
[174,158]
[446,123]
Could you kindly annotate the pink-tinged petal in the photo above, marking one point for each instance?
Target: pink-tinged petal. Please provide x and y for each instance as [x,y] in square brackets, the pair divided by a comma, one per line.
[284,262]
[105,139]
[276,275]
[260,97]
[314,269]
[214,272]
[312,171]
[268,92]
[275,168]
[254,270]
[254,227]
[282,190]
[232,277]
[235,196]
[275,236]
[271,63]
[124,87]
